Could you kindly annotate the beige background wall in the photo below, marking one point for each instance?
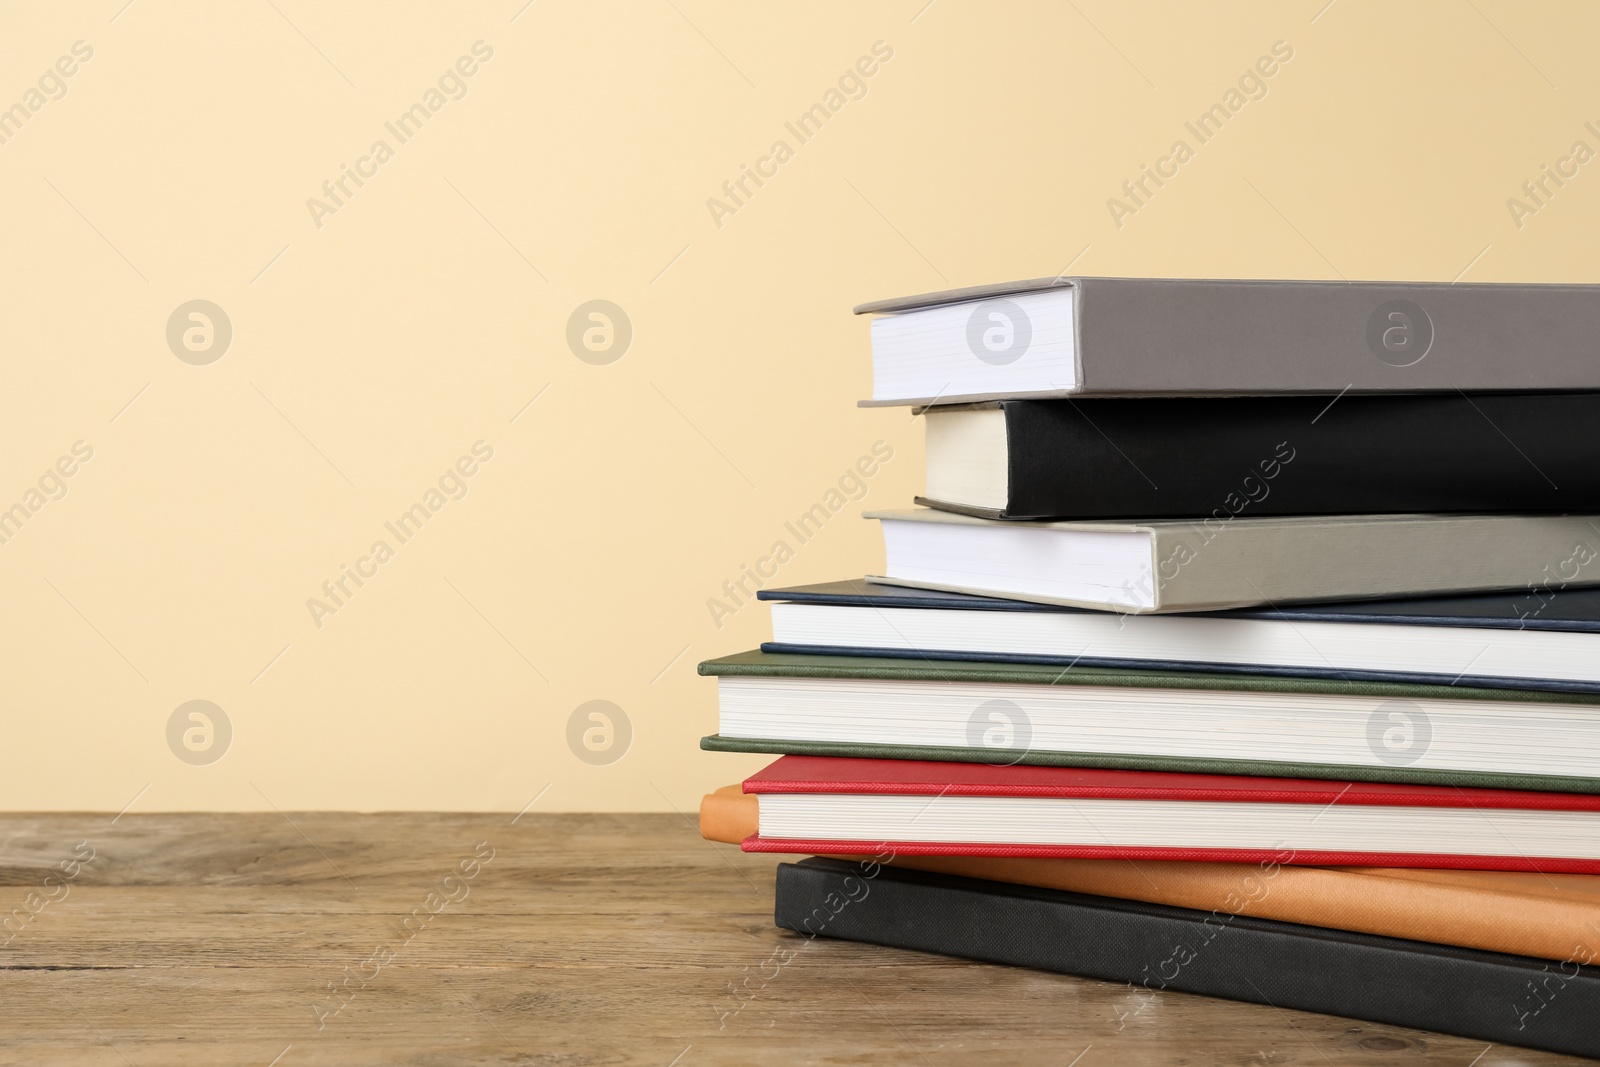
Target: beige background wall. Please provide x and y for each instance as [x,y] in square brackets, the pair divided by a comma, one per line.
[376,339]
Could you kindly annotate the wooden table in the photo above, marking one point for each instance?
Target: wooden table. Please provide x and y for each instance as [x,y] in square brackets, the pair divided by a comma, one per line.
[554,939]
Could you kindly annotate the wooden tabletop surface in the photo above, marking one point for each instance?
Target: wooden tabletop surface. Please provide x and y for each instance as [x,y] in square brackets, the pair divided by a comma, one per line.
[556,939]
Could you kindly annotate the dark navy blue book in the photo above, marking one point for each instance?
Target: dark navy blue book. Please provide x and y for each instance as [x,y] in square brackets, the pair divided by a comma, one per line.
[1544,637]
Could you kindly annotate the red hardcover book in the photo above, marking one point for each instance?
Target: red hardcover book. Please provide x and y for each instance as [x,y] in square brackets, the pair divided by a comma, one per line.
[863,806]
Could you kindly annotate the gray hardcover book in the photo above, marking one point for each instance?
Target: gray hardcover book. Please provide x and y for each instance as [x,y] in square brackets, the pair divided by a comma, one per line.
[1230,561]
[1198,337]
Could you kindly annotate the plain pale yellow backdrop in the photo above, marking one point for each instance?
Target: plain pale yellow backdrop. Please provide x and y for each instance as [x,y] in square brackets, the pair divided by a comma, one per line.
[376,343]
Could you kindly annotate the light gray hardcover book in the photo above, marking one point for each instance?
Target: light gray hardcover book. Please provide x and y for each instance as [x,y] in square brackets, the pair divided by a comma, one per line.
[1204,565]
[1199,337]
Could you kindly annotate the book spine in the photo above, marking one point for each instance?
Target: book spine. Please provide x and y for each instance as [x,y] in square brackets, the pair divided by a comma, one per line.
[1157,949]
[1217,460]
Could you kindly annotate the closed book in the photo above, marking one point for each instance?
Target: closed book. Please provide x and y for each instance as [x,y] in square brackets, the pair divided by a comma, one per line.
[819,804]
[1215,337]
[1547,915]
[1493,997]
[1220,457]
[1162,565]
[1542,638]
[1075,716]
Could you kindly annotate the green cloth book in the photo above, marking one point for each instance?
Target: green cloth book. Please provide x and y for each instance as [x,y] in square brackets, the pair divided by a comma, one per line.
[1004,713]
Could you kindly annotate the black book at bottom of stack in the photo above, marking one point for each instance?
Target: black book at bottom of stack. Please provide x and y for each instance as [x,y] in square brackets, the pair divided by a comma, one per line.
[1490,996]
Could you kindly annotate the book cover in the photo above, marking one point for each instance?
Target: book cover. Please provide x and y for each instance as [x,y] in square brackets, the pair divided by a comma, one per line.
[1550,916]
[1176,565]
[1540,638]
[1155,949]
[784,665]
[930,778]
[1092,817]
[1213,457]
[1551,606]
[1362,746]
[1238,337]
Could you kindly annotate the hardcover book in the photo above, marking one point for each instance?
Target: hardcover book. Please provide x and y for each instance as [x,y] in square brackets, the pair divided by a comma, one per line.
[1547,637]
[1075,716]
[1547,915]
[1217,457]
[1200,337]
[1161,565]
[845,806]
[1154,949]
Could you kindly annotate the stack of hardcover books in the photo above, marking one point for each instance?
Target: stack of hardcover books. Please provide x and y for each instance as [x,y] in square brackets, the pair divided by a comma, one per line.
[1245,644]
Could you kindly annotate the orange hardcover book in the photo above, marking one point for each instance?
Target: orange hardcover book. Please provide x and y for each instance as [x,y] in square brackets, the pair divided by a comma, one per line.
[1547,916]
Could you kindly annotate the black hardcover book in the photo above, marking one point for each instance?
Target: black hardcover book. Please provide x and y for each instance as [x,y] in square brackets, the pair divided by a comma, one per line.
[1513,1000]
[1219,457]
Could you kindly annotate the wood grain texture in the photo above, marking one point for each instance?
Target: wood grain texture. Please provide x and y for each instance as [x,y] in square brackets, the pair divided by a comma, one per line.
[585,939]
